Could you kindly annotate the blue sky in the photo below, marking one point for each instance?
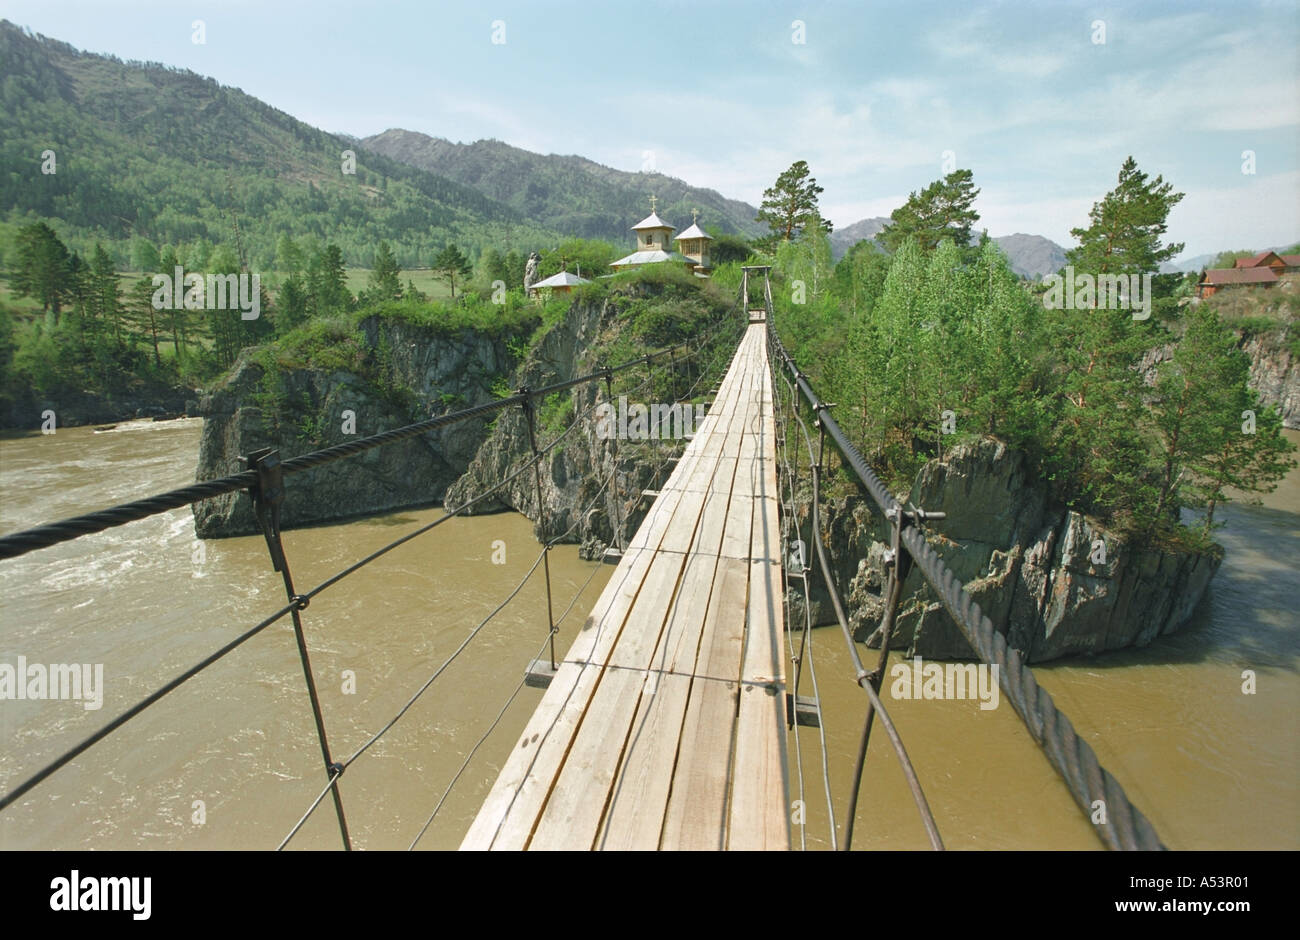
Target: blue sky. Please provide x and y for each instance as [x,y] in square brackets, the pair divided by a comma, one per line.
[720,94]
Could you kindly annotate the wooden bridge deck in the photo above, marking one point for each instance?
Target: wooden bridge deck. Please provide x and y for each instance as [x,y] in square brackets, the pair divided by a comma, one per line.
[665,724]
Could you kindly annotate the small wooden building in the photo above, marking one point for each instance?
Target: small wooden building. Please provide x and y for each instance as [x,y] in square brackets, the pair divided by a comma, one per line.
[562,283]
[1217,279]
[694,245]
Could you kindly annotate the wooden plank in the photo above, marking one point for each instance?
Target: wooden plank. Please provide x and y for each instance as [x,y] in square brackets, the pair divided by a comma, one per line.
[510,806]
[680,641]
[576,804]
[696,815]
[758,812]
[639,797]
[572,813]
[723,637]
[737,534]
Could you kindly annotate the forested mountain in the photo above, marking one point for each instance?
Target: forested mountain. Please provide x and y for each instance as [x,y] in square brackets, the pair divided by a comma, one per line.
[142,150]
[569,194]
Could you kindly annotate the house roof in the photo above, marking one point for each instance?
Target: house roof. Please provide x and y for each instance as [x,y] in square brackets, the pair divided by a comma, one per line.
[650,257]
[694,232]
[1259,260]
[652,221]
[1217,276]
[1291,261]
[563,279]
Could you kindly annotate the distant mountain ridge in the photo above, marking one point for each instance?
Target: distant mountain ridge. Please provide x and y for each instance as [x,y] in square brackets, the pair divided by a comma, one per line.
[1030,256]
[569,194]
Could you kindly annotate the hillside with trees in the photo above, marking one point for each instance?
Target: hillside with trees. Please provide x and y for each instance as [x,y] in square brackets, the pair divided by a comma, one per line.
[144,154]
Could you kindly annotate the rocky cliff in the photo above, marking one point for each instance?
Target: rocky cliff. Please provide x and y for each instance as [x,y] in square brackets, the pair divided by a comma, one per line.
[1037,570]
[1274,373]
[309,409]
[589,484]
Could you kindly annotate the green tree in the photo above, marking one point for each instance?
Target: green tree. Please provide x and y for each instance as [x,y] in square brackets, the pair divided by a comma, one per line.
[1126,227]
[494,267]
[414,293]
[175,313]
[292,304]
[140,305]
[385,281]
[790,205]
[450,264]
[42,268]
[1201,412]
[144,256]
[515,263]
[105,298]
[859,277]
[727,248]
[941,210]
[327,283]
[289,257]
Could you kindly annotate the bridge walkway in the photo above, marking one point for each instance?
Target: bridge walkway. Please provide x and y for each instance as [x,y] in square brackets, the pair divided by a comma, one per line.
[664,726]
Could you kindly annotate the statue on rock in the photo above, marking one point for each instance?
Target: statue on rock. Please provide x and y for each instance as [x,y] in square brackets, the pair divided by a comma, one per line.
[530,271]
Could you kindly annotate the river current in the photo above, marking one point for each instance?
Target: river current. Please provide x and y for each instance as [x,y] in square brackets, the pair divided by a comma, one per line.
[231,759]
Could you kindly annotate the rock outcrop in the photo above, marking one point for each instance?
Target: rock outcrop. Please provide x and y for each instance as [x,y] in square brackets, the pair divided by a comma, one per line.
[444,373]
[1275,374]
[590,484]
[74,407]
[1035,568]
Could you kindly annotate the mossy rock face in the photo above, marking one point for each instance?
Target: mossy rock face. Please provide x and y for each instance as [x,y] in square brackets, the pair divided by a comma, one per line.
[1033,568]
[296,410]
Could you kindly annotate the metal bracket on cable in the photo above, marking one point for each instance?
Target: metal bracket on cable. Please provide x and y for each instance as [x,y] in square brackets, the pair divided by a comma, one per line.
[613,553]
[268,495]
[540,670]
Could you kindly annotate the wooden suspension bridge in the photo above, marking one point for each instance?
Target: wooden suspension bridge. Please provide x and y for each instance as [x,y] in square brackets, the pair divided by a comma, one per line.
[664,727]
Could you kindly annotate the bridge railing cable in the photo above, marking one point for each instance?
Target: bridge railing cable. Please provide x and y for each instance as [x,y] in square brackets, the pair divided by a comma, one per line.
[1097,793]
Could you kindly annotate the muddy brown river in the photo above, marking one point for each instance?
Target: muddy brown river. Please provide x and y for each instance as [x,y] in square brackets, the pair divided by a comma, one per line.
[231,760]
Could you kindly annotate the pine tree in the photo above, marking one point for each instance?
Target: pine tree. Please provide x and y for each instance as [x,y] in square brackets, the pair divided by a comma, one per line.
[384,282]
[42,268]
[790,205]
[105,298]
[941,210]
[327,282]
[451,264]
[176,312]
[1126,227]
[292,304]
[140,304]
[289,257]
